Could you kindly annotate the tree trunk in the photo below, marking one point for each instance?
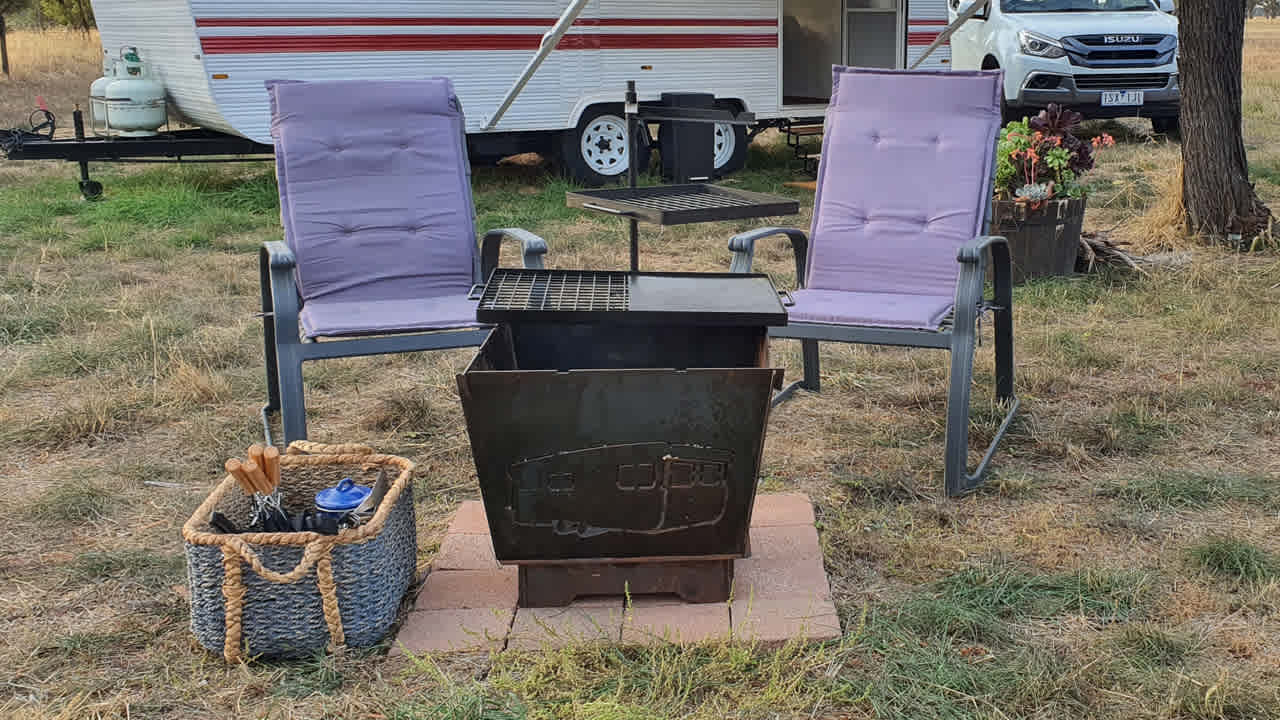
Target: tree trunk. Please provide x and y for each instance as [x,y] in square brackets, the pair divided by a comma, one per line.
[4,50]
[1216,191]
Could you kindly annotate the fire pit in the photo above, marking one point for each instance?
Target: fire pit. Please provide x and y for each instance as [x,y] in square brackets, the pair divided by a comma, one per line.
[617,421]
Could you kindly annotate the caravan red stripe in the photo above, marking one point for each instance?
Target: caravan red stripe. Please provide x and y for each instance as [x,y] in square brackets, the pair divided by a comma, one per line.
[430,42]
[922,38]
[476,22]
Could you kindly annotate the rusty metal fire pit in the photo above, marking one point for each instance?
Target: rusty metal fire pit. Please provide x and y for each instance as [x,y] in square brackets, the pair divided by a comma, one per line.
[617,421]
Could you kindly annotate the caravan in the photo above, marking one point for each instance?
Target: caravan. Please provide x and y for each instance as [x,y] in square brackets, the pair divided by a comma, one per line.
[533,75]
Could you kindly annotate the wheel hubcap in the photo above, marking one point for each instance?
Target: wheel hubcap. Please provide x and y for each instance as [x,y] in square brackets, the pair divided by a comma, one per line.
[726,142]
[604,145]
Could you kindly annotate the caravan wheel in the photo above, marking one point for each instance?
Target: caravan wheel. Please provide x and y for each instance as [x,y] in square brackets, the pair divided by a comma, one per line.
[595,152]
[730,148]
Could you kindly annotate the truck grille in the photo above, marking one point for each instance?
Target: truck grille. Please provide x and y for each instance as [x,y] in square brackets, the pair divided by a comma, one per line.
[1127,81]
[1122,51]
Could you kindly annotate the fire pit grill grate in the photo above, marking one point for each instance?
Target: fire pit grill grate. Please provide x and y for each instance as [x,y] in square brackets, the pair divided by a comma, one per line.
[566,290]
[617,297]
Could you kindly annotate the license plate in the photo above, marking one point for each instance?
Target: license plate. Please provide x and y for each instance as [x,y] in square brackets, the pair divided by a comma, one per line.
[1121,97]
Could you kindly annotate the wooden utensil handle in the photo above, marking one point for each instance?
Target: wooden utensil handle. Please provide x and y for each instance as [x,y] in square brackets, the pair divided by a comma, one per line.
[271,458]
[255,455]
[258,478]
[236,470]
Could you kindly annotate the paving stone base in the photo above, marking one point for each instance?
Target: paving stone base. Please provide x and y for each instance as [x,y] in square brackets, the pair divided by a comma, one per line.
[468,602]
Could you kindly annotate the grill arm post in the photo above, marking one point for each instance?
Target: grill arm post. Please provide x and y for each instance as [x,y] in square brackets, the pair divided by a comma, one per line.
[632,108]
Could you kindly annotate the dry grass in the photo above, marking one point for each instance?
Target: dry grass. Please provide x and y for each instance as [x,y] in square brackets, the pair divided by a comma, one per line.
[57,65]
[1121,563]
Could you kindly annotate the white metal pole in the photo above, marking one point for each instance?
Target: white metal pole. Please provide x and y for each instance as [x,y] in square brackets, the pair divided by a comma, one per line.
[549,42]
[946,33]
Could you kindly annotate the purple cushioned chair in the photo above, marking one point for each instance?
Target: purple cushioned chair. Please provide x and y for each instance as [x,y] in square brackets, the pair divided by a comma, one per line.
[380,250]
[896,254]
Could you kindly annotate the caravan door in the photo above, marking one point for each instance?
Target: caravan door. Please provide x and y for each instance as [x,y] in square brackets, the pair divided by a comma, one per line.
[875,33]
[811,44]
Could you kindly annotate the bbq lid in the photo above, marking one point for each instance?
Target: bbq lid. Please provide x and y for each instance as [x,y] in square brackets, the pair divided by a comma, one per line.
[590,296]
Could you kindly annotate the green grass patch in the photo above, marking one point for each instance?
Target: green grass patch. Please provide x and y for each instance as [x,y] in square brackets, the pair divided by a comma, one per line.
[1132,427]
[1075,349]
[1267,173]
[77,500]
[316,676]
[1175,489]
[1149,646]
[143,567]
[144,214]
[705,681]
[976,604]
[1237,559]
[916,679]
[95,646]
[476,703]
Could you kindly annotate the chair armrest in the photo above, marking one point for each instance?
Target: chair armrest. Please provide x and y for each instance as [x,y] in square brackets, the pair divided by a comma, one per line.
[743,247]
[532,248]
[279,256]
[971,252]
[280,299]
[972,258]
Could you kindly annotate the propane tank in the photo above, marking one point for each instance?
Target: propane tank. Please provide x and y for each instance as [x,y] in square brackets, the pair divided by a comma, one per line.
[134,102]
[98,94]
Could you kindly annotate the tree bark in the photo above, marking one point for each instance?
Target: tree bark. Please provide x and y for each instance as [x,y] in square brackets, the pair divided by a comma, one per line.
[4,50]
[1216,191]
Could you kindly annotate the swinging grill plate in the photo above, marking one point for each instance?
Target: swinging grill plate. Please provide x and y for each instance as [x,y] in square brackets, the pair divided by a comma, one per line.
[682,204]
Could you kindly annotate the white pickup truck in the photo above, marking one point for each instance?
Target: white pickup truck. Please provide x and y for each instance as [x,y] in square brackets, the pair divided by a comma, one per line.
[1102,58]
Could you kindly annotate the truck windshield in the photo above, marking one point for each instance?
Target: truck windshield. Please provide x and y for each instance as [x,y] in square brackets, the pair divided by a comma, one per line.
[1053,6]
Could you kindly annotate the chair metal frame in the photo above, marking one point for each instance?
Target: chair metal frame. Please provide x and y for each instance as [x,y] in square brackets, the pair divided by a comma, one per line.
[285,349]
[960,338]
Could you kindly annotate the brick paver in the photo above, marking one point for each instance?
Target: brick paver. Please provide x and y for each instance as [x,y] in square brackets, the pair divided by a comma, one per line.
[461,589]
[466,551]
[454,630]
[654,621]
[779,593]
[585,621]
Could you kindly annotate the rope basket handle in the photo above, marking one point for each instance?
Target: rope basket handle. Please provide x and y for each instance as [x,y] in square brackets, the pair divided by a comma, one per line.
[307,447]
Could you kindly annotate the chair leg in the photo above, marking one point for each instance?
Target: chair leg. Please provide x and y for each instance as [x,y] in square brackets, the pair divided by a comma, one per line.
[1004,355]
[955,466]
[811,381]
[957,478]
[293,409]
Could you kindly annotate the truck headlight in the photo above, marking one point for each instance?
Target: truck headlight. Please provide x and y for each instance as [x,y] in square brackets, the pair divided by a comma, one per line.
[1039,45]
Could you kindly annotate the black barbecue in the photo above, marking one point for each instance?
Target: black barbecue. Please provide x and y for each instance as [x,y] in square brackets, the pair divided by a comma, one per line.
[617,421]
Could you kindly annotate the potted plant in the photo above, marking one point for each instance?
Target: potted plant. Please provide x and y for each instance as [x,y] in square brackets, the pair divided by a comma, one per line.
[1039,198]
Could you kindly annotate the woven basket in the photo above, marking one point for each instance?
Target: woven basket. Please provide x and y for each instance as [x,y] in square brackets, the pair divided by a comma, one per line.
[288,595]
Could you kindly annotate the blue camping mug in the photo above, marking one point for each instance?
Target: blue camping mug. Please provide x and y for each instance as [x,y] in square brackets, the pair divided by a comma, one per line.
[342,499]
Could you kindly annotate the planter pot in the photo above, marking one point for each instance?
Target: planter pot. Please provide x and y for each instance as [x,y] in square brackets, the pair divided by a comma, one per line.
[1043,242]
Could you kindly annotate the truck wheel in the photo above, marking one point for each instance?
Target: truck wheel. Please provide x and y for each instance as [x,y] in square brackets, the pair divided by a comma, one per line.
[1167,126]
[595,152]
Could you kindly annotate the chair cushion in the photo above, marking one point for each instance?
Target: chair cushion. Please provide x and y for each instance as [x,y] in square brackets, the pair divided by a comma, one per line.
[890,310]
[374,188]
[331,318]
[904,180]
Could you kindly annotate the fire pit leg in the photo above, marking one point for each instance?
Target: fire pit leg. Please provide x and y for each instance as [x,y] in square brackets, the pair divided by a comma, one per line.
[696,581]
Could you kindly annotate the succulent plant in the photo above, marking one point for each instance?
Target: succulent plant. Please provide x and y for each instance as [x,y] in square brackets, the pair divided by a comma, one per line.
[1034,193]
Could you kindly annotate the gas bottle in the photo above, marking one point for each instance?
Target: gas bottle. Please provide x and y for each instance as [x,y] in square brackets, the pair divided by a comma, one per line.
[98,94]
[134,102]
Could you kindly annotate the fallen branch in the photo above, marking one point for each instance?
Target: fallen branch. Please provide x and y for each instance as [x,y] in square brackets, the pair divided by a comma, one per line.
[1097,247]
